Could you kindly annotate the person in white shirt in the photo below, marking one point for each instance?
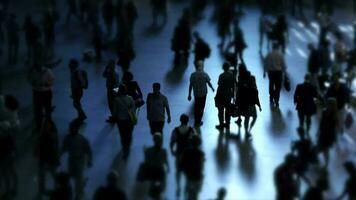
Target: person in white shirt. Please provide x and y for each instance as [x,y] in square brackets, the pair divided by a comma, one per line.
[199,80]
[157,104]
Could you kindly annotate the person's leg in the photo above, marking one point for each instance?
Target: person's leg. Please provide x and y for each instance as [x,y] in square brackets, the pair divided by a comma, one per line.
[227,117]
[246,123]
[254,118]
[152,127]
[271,86]
[41,179]
[202,101]
[278,86]
[38,114]
[301,119]
[160,126]
[221,115]
[47,103]
[110,97]
[77,95]
[308,121]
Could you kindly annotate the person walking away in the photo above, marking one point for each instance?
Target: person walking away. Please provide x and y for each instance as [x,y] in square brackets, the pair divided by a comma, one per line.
[112,82]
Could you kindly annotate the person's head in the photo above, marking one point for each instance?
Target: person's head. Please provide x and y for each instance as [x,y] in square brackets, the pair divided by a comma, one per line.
[226,66]
[111,65]
[184,119]
[221,193]
[156,88]
[127,77]
[11,103]
[73,64]
[289,159]
[157,140]
[199,65]
[350,168]
[112,178]
[307,77]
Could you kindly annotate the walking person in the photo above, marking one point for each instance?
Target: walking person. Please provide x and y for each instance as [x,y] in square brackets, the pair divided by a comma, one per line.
[79,157]
[41,80]
[304,99]
[201,49]
[239,44]
[198,83]
[223,98]
[133,89]
[124,109]
[112,82]
[180,140]
[157,106]
[79,82]
[108,12]
[276,68]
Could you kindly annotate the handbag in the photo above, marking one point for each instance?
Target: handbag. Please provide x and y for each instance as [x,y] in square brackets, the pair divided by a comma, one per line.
[286,83]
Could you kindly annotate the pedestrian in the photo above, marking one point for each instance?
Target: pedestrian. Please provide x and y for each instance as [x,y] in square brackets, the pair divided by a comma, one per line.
[328,128]
[201,48]
[79,157]
[279,32]
[275,66]
[284,179]
[313,66]
[97,41]
[199,80]
[123,113]
[193,160]
[340,91]
[132,15]
[224,95]
[110,191]
[133,89]
[239,44]
[47,152]
[112,82]
[108,12]
[79,83]
[157,105]
[351,181]
[304,98]
[13,37]
[49,22]
[41,80]
[180,140]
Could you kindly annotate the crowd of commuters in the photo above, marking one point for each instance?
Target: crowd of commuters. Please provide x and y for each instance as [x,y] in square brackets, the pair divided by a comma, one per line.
[325,91]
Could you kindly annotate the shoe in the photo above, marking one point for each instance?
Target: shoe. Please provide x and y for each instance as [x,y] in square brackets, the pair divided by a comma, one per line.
[220,127]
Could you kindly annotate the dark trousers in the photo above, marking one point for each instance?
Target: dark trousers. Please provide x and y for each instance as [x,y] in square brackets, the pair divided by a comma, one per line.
[111,97]
[156,126]
[223,111]
[125,129]
[77,95]
[304,118]
[42,102]
[275,84]
[199,106]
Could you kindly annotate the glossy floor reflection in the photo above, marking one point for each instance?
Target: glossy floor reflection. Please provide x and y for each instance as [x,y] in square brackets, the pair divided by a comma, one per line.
[245,168]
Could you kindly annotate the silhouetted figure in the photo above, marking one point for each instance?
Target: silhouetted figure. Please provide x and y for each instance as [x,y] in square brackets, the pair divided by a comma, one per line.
[349,190]
[340,52]
[132,15]
[110,191]
[125,51]
[223,98]
[285,180]
[180,140]
[224,21]
[304,98]
[79,158]
[264,26]
[157,105]
[72,10]
[9,123]
[279,32]
[325,61]
[340,92]
[124,108]
[328,128]
[49,21]
[133,89]
[238,44]
[47,152]
[201,48]
[199,81]
[97,41]
[297,8]
[221,194]
[13,37]
[41,80]
[108,12]
[159,8]
[155,167]
[62,189]
[112,82]
[79,82]
[181,41]
[275,66]
[313,66]
[32,37]
[193,160]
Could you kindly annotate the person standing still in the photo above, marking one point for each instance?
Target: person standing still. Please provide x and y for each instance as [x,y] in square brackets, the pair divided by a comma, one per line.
[157,104]
[198,83]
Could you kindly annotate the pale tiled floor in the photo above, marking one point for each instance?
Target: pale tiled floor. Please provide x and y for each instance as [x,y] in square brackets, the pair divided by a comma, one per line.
[245,169]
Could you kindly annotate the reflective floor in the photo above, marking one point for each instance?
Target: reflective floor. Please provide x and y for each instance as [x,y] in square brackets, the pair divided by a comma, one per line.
[244,168]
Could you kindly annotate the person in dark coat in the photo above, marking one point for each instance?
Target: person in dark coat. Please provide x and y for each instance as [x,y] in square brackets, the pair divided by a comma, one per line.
[133,89]
[313,65]
[284,179]
[328,128]
[304,99]
[340,92]
[108,12]
[47,151]
[238,43]
[112,82]
[201,48]
[110,191]
[349,190]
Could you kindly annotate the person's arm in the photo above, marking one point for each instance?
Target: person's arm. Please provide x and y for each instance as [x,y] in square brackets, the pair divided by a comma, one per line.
[209,83]
[167,110]
[258,101]
[190,91]
[138,89]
